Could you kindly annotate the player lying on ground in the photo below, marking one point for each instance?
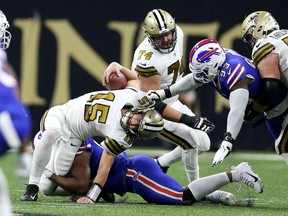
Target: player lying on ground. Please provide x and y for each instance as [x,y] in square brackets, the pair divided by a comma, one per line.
[141,175]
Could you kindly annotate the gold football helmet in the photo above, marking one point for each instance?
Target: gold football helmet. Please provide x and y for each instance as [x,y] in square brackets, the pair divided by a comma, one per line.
[150,123]
[257,25]
[5,36]
[159,23]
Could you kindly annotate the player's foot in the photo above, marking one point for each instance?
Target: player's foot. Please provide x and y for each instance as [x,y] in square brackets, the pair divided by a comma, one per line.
[222,197]
[245,175]
[31,193]
[164,169]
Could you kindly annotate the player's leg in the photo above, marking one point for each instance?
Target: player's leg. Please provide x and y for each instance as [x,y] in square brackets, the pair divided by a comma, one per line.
[166,160]
[145,178]
[201,187]
[53,121]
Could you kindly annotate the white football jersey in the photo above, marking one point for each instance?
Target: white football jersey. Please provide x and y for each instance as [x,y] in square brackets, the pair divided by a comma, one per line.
[147,61]
[98,114]
[276,42]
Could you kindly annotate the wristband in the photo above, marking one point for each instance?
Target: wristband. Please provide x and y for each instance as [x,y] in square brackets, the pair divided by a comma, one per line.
[167,93]
[119,65]
[228,137]
[94,192]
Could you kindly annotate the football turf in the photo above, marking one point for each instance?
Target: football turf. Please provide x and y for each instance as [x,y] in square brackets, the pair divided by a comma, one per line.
[270,167]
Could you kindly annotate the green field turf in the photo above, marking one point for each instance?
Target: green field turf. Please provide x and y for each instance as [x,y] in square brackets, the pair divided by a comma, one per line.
[270,167]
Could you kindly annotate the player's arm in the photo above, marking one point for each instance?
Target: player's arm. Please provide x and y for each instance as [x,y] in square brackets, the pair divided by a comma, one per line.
[79,180]
[185,84]
[270,75]
[238,100]
[132,79]
[99,181]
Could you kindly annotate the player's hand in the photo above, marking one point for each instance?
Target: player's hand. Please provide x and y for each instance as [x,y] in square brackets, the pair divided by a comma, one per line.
[156,94]
[222,152]
[203,124]
[143,101]
[84,200]
[113,67]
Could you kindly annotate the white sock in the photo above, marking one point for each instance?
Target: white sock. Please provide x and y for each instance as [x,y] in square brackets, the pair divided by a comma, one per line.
[190,162]
[285,157]
[171,157]
[203,186]
[5,204]
[41,155]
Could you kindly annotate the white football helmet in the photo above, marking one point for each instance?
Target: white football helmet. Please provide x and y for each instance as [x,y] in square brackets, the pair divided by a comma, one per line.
[257,25]
[5,36]
[159,23]
[206,59]
[150,124]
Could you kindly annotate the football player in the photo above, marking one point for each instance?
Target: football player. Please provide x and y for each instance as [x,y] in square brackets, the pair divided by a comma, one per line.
[270,53]
[158,62]
[118,116]
[236,78]
[15,122]
[141,175]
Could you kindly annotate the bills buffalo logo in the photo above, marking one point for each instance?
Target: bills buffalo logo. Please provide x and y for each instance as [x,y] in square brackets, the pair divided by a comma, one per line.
[205,56]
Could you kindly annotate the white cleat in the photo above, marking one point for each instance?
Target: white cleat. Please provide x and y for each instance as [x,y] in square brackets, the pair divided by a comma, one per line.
[245,175]
[222,197]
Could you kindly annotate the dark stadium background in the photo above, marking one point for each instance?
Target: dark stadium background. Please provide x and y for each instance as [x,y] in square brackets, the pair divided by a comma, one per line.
[109,31]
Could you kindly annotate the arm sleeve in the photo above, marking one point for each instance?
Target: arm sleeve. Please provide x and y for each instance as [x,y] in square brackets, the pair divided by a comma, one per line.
[185,84]
[238,101]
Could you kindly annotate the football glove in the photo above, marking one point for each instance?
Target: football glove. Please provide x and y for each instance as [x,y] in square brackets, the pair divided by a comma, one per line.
[224,150]
[143,101]
[156,94]
[198,123]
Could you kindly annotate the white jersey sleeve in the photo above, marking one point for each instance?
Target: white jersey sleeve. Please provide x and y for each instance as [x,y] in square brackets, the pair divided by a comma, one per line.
[276,42]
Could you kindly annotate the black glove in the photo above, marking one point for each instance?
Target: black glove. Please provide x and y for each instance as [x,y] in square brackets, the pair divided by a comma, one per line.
[108,197]
[198,123]
[250,113]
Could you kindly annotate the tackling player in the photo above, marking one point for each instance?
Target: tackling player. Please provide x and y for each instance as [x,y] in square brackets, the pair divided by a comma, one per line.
[140,175]
[236,78]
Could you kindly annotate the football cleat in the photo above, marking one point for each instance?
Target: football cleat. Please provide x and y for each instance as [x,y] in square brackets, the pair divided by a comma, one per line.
[245,175]
[31,193]
[222,197]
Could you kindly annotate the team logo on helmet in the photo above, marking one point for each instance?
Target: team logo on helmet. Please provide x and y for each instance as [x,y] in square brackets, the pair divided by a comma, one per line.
[205,56]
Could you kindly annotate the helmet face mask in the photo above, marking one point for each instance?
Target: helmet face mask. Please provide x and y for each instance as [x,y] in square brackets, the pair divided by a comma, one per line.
[159,26]
[5,35]
[206,59]
[149,123]
[257,25]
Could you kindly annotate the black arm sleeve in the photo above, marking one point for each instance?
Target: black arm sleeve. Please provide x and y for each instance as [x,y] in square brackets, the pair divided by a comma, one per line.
[160,106]
[268,91]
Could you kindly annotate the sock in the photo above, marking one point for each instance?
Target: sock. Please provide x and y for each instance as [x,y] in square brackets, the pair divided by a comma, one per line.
[203,186]
[171,157]
[41,155]
[190,162]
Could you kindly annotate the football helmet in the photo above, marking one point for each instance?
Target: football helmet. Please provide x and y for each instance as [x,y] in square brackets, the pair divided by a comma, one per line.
[150,122]
[5,35]
[157,25]
[257,25]
[206,59]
